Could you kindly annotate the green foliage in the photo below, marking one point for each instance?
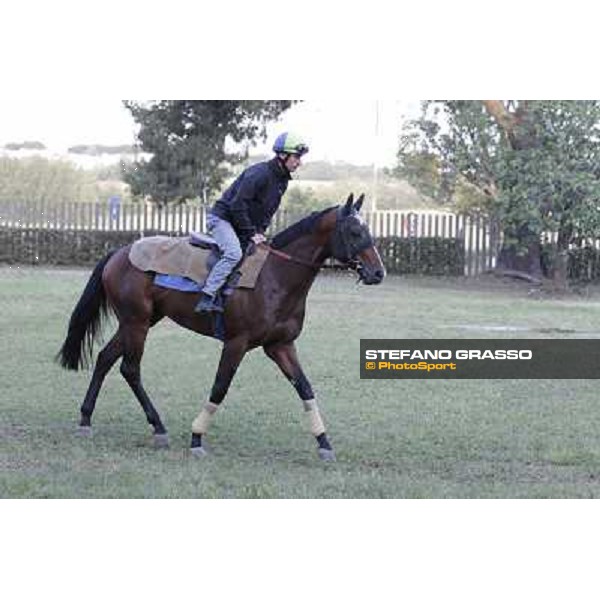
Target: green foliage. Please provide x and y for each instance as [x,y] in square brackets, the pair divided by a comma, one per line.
[103,190]
[452,149]
[420,169]
[60,247]
[468,199]
[112,172]
[41,180]
[543,176]
[583,263]
[304,199]
[555,185]
[186,139]
[423,256]
[417,256]
[304,196]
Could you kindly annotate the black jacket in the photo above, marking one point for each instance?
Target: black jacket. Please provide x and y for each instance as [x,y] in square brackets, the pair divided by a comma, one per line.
[250,202]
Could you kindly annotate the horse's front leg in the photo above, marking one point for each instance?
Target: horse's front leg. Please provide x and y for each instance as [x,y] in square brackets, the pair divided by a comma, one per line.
[286,358]
[231,357]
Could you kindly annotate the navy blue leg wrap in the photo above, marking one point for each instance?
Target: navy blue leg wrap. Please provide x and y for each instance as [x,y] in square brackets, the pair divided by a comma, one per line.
[302,386]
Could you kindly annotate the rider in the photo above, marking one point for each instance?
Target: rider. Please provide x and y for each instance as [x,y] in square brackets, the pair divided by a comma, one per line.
[244,211]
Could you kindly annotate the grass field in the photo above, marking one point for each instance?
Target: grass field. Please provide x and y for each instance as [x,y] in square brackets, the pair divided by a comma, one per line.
[393,438]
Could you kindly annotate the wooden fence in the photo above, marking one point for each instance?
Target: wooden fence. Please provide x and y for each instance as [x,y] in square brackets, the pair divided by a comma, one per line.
[478,240]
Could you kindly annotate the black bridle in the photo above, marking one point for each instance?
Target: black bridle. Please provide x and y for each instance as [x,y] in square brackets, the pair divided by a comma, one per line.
[345,248]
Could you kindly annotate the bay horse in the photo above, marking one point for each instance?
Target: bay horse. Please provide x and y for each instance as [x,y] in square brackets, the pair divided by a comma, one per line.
[271,315]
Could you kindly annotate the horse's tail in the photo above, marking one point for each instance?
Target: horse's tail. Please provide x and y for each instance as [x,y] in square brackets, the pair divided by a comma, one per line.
[86,321]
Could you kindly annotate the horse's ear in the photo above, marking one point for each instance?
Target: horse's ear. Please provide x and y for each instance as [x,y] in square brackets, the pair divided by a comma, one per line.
[359,202]
[348,206]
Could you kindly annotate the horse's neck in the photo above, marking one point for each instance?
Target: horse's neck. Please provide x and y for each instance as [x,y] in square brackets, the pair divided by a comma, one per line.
[314,247]
[311,248]
[294,276]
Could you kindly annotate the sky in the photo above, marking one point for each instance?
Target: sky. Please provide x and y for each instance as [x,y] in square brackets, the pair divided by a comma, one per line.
[363,131]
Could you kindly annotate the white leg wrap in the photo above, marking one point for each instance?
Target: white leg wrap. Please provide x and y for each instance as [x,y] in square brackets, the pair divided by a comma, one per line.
[201,422]
[314,417]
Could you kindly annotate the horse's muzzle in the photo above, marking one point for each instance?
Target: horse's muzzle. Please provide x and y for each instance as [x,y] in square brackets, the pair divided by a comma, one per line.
[370,276]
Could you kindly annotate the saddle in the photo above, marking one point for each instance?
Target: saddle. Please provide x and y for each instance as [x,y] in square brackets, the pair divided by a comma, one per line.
[192,257]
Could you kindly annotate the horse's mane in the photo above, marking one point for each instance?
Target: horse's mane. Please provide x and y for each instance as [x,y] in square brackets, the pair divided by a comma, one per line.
[298,229]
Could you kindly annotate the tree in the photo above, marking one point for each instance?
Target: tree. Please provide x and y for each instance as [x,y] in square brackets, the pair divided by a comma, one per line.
[187,142]
[535,164]
[37,179]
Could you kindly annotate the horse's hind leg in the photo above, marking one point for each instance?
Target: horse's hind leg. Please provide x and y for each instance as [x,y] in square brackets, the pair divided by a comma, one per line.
[106,359]
[133,336]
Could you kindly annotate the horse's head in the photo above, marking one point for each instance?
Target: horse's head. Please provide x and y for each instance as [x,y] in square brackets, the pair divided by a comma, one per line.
[352,243]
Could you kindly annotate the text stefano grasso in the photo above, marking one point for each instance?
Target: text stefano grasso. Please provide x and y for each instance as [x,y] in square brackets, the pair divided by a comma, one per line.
[472,354]
[480,359]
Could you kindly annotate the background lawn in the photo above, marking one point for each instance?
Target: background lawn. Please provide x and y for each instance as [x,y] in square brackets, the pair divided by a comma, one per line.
[393,438]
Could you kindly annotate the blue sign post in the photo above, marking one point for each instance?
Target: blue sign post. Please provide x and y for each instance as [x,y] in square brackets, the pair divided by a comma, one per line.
[114,206]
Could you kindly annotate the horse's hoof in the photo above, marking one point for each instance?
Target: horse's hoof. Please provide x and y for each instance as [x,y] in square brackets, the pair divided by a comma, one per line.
[198,451]
[327,455]
[84,431]
[161,440]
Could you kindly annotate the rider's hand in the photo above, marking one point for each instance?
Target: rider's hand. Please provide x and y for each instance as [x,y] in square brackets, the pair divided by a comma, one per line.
[258,238]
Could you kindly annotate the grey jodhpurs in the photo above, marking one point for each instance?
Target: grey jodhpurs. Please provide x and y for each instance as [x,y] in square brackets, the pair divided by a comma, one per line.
[231,253]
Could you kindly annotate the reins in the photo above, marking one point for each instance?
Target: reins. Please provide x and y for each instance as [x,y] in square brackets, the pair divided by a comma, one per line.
[350,265]
[291,258]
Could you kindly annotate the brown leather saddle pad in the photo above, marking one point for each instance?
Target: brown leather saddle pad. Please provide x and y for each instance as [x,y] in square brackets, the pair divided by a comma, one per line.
[176,256]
